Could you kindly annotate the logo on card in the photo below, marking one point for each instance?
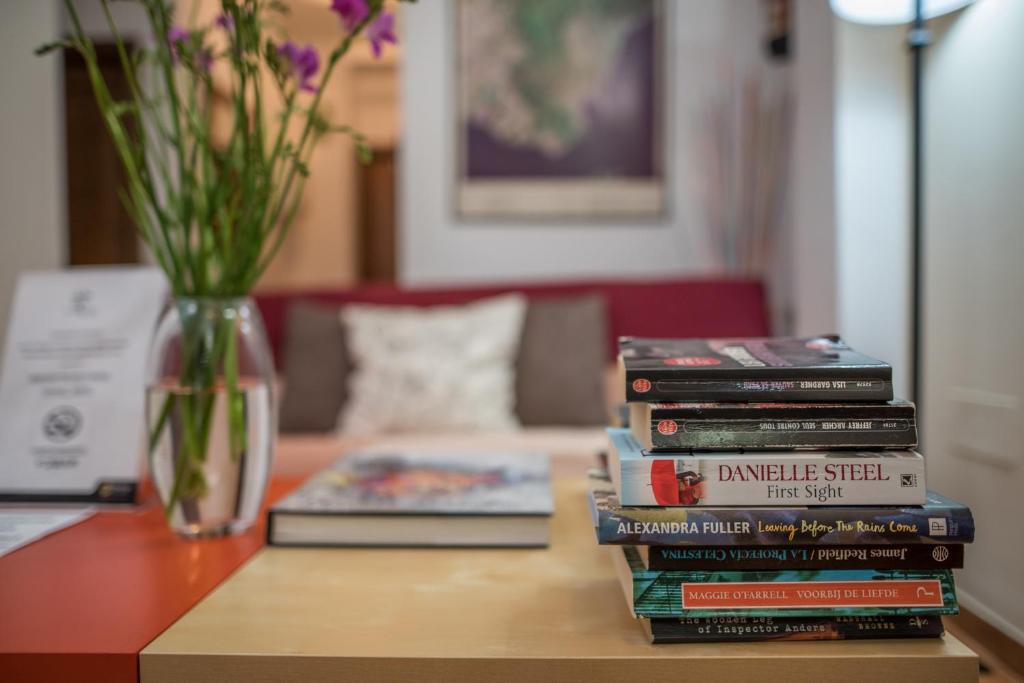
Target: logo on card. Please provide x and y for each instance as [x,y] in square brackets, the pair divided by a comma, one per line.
[62,424]
[82,303]
[667,427]
[641,386]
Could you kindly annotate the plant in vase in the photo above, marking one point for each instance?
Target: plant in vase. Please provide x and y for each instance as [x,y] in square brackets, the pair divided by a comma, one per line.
[214,209]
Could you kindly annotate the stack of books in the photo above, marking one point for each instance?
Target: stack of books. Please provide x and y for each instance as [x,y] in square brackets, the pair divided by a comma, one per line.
[766,489]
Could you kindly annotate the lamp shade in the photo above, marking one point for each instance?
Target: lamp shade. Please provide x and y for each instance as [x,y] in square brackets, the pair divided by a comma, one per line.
[891,11]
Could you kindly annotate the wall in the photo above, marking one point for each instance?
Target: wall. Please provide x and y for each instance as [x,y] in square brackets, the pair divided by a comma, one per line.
[872,192]
[974,320]
[811,239]
[31,137]
[705,42]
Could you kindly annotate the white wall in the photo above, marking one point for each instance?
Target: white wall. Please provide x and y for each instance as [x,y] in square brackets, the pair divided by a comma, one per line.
[811,239]
[974,316]
[872,192]
[32,233]
[705,39]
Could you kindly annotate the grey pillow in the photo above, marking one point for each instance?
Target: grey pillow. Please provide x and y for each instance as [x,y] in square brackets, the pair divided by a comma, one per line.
[562,357]
[316,367]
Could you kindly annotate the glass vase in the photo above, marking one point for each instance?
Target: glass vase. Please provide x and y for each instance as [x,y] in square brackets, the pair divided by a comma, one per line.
[211,419]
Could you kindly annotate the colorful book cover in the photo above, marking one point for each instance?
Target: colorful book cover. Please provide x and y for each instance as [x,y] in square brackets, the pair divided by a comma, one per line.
[777,426]
[748,629]
[939,520]
[772,557]
[780,369]
[426,484]
[881,477]
[806,593]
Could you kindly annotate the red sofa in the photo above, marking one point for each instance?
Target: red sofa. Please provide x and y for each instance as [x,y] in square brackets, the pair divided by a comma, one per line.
[649,308]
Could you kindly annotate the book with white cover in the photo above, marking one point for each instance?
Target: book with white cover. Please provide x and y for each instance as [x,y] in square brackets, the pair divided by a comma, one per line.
[892,477]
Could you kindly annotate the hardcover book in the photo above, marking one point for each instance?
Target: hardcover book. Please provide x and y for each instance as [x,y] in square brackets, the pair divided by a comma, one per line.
[883,477]
[939,520]
[777,558]
[780,369]
[766,426]
[420,499]
[808,593]
[747,629]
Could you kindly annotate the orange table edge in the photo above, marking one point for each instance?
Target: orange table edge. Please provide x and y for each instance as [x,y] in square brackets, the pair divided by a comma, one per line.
[82,603]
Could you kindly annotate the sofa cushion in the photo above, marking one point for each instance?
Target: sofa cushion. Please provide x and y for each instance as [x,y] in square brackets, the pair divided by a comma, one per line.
[560,372]
[439,368]
[316,368]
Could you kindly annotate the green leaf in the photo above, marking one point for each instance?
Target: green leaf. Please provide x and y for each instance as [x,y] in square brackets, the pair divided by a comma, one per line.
[364,153]
[47,48]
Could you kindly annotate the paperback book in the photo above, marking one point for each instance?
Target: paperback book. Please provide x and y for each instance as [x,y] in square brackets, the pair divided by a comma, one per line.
[780,369]
[807,593]
[883,477]
[420,499]
[939,520]
[778,558]
[763,426]
[747,629]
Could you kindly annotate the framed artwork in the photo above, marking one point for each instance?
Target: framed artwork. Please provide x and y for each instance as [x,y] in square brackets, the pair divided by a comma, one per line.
[559,108]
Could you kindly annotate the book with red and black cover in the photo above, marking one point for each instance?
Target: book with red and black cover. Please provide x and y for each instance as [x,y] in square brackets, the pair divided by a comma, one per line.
[755,369]
[804,593]
[939,520]
[844,477]
[778,558]
[707,426]
[754,629]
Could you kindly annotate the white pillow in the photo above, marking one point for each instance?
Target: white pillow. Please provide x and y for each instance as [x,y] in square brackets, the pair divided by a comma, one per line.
[433,369]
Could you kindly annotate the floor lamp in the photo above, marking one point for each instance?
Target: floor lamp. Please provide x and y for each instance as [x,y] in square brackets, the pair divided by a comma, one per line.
[914,13]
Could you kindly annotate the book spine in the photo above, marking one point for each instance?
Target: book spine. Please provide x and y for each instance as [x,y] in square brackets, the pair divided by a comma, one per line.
[815,593]
[755,480]
[749,629]
[768,558]
[783,526]
[646,386]
[775,433]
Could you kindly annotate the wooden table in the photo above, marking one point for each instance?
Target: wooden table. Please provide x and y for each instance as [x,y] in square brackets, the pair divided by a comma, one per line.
[484,615]
[82,603]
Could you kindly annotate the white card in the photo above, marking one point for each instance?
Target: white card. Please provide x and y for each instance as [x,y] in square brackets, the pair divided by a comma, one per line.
[72,384]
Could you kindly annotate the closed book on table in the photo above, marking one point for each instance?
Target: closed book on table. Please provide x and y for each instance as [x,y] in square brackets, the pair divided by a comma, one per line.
[939,521]
[778,558]
[881,477]
[806,593]
[754,629]
[420,499]
[704,426]
[769,369]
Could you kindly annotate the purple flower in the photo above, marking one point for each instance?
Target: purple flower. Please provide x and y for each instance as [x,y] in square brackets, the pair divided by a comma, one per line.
[204,59]
[352,12]
[176,35]
[303,61]
[225,21]
[381,31]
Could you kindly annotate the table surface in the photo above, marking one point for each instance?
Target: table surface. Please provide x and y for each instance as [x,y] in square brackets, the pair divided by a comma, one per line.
[471,614]
[82,603]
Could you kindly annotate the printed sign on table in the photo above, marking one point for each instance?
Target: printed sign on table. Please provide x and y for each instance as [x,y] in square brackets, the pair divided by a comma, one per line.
[72,388]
